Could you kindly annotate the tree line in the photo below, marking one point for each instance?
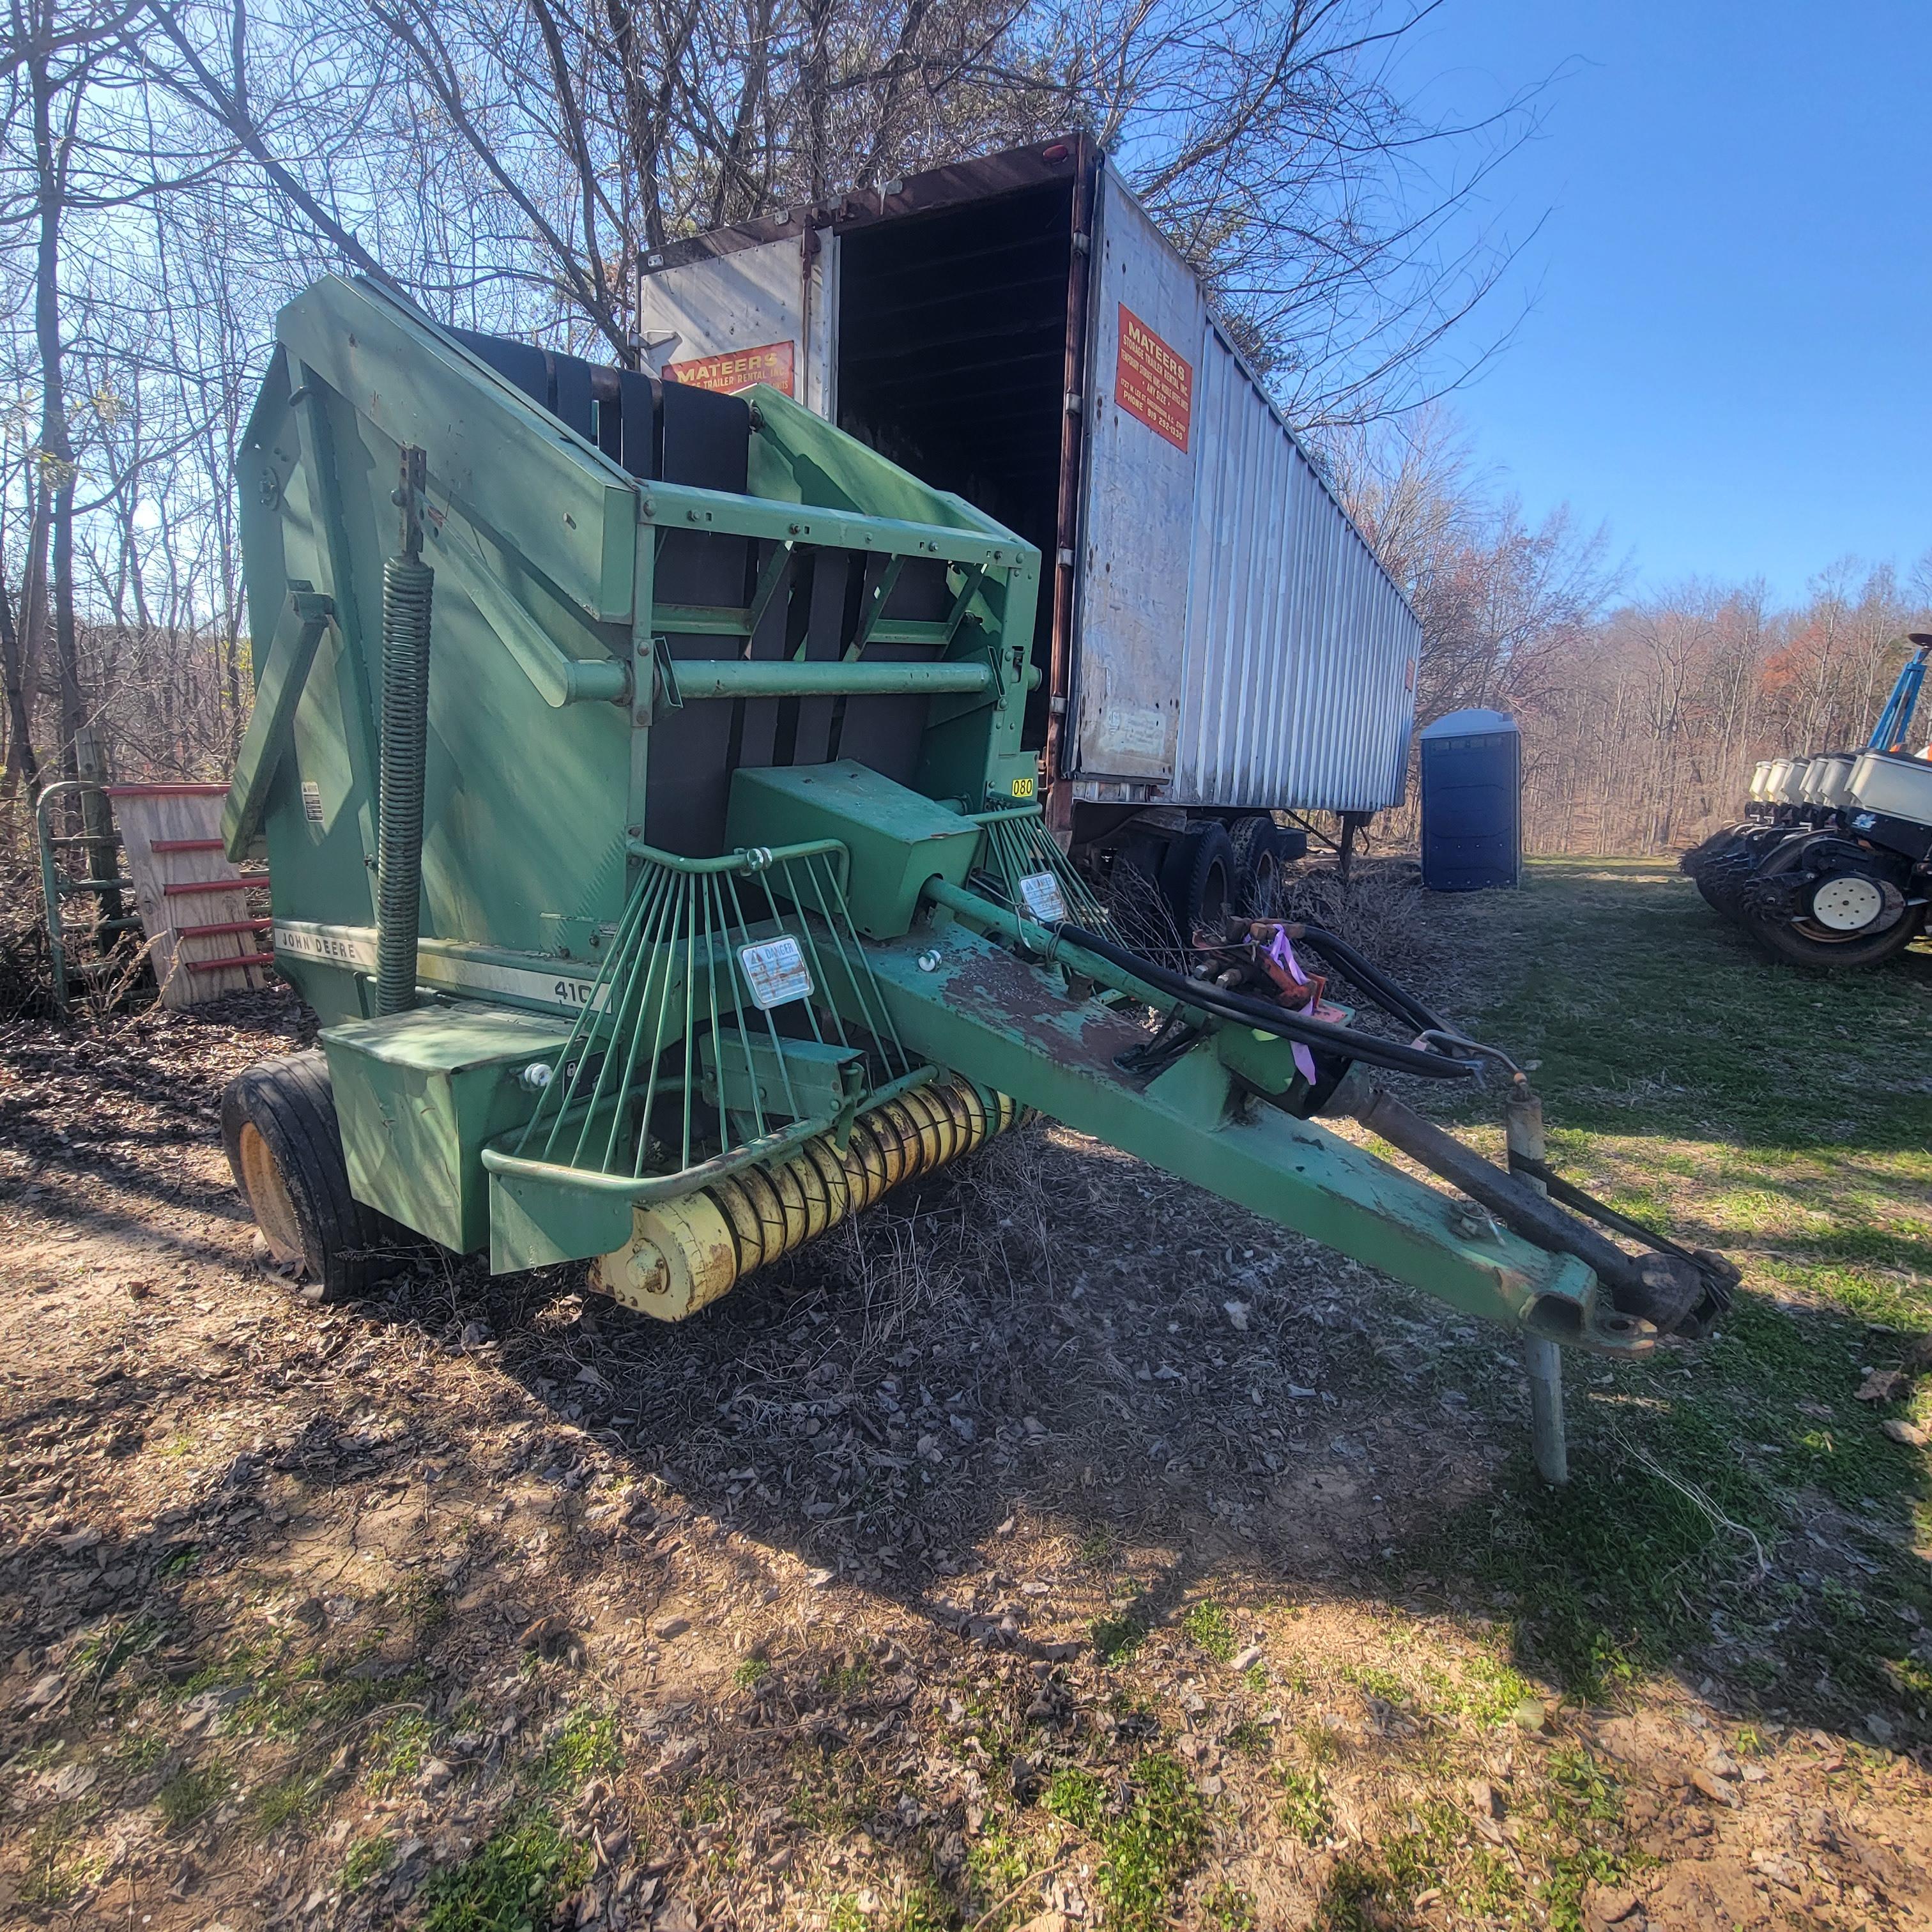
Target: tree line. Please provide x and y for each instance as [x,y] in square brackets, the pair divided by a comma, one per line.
[1641,717]
[171,171]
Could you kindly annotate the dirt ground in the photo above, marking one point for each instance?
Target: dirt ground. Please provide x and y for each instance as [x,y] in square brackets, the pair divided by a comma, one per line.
[1054,1547]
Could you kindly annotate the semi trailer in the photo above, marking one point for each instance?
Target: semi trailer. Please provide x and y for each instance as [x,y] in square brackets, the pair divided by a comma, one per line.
[1219,646]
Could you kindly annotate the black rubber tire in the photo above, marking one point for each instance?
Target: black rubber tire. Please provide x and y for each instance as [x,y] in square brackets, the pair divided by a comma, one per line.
[1721,877]
[1809,856]
[1785,942]
[284,1110]
[1725,879]
[1200,879]
[1259,861]
[1714,853]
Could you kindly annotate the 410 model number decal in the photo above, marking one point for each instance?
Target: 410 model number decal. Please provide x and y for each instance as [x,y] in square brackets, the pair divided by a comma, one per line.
[356,946]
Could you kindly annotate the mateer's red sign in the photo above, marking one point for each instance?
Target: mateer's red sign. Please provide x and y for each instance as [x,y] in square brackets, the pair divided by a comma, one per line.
[769,362]
[1152,382]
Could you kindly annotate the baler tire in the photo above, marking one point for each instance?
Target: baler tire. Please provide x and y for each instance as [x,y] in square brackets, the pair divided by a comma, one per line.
[1189,879]
[284,1148]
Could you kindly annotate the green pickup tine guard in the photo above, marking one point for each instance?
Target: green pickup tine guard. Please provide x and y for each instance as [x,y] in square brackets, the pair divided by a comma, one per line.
[713,901]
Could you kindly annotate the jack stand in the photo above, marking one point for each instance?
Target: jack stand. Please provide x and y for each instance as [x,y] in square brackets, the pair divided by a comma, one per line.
[1542,1359]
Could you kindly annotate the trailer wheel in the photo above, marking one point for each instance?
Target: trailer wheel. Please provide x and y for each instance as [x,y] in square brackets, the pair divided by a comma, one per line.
[1199,879]
[279,1129]
[1790,940]
[1260,856]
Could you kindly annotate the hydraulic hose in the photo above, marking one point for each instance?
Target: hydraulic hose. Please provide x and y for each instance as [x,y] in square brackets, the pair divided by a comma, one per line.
[407,584]
[1242,1011]
[1393,998]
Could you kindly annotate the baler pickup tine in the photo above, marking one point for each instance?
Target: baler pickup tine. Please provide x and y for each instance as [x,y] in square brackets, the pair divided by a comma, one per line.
[771,1025]
[664,888]
[661,955]
[880,1027]
[583,1031]
[809,944]
[690,999]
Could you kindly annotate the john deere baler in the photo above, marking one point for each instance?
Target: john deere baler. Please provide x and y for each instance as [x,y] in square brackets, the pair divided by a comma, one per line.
[641,770]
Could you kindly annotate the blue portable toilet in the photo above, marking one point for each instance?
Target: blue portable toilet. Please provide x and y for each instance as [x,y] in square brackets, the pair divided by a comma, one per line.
[1472,802]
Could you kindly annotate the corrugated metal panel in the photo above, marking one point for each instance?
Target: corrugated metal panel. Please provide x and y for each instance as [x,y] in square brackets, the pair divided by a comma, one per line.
[1297,673]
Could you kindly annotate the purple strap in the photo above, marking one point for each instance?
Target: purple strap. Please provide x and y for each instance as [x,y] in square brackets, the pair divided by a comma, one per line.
[1283,954]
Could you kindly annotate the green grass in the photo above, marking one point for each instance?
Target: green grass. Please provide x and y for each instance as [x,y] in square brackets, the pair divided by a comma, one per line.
[1117,1638]
[586,1745]
[847,1680]
[751,1673]
[190,1795]
[1229,1909]
[1210,1630]
[396,1751]
[286,1801]
[137,1752]
[366,1858]
[1305,1809]
[64,1856]
[923,1909]
[512,1882]
[1148,1843]
[292,1692]
[1759,1110]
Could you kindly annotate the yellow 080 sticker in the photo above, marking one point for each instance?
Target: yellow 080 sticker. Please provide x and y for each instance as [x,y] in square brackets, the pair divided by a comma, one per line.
[1023,787]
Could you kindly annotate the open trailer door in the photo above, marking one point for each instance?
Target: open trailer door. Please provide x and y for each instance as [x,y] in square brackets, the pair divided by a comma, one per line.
[1147,320]
[763,312]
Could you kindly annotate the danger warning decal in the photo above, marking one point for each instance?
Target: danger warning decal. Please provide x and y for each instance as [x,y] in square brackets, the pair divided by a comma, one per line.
[769,362]
[1153,383]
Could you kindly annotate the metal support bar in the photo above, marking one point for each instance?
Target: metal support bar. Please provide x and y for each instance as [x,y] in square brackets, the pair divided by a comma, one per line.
[683,505]
[291,653]
[1542,1359]
[557,678]
[1658,1288]
[53,886]
[875,606]
[738,677]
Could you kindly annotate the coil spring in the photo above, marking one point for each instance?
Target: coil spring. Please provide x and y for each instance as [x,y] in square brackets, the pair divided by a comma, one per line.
[771,1214]
[407,585]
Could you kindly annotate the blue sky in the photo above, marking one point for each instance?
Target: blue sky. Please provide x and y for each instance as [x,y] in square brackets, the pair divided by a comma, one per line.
[1728,356]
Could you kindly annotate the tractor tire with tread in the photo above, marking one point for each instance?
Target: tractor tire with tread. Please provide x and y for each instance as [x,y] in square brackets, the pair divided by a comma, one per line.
[1200,879]
[1774,927]
[1260,857]
[284,1148]
[1785,942]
